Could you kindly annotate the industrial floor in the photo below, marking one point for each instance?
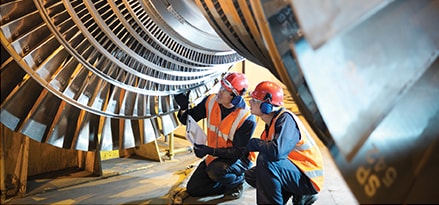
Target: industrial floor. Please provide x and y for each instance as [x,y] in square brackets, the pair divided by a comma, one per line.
[139,181]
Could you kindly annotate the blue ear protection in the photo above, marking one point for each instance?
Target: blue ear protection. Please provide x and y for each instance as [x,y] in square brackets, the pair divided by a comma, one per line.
[267,107]
[238,100]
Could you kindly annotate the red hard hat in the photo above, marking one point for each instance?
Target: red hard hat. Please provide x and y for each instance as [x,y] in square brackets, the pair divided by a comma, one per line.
[235,82]
[269,92]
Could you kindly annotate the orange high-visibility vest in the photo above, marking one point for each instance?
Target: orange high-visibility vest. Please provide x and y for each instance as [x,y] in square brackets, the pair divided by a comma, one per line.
[306,155]
[220,133]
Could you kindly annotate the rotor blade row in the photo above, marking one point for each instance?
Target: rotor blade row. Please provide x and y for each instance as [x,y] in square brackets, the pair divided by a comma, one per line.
[71,68]
[46,118]
[100,74]
[235,22]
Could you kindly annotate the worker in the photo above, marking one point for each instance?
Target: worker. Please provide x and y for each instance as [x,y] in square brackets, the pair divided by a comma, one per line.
[229,128]
[289,163]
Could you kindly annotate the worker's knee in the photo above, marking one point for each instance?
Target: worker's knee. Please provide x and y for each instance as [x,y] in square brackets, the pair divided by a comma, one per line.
[250,176]
[217,170]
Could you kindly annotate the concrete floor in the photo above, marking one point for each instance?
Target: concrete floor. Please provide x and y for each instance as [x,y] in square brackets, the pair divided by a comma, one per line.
[139,181]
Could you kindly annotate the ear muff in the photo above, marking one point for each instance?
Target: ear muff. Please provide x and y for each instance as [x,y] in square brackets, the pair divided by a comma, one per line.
[238,100]
[267,107]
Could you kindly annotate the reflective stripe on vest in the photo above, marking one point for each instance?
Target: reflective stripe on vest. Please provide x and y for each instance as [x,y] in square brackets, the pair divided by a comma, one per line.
[220,132]
[306,148]
[242,115]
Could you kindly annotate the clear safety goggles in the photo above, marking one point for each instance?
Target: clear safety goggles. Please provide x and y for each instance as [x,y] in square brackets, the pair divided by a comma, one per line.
[229,86]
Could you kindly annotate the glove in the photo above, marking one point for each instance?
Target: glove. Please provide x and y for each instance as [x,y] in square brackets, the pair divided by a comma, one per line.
[239,166]
[182,100]
[253,144]
[202,150]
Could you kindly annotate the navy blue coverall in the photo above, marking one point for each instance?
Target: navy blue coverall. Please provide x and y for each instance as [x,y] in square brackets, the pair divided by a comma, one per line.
[275,177]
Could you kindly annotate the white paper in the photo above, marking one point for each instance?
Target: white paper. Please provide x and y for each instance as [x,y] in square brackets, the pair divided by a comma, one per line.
[194,133]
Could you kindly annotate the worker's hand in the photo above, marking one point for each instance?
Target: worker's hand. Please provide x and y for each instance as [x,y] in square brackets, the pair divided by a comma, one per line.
[239,166]
[253,144]
[202,150]
[182,100]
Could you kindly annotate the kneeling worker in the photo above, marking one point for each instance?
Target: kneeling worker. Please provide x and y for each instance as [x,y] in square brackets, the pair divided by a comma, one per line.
[230,126]
[289,162]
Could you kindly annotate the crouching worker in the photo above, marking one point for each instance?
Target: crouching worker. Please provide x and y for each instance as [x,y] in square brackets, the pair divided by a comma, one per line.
[289,162]
[230,126]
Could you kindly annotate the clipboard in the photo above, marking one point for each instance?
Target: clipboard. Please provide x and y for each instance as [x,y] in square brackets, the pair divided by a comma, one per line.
[194,133]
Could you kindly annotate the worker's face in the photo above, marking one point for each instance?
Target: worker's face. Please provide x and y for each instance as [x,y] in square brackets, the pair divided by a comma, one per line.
[224,97]
[255,106]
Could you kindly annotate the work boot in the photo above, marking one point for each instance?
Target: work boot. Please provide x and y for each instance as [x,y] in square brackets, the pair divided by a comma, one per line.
[234,193]
[304,199]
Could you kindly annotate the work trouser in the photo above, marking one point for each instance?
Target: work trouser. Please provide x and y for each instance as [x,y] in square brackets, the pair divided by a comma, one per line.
[213,179]
[277,181]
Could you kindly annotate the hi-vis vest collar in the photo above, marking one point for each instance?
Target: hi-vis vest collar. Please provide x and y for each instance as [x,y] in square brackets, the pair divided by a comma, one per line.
[303,131]
[243,114]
